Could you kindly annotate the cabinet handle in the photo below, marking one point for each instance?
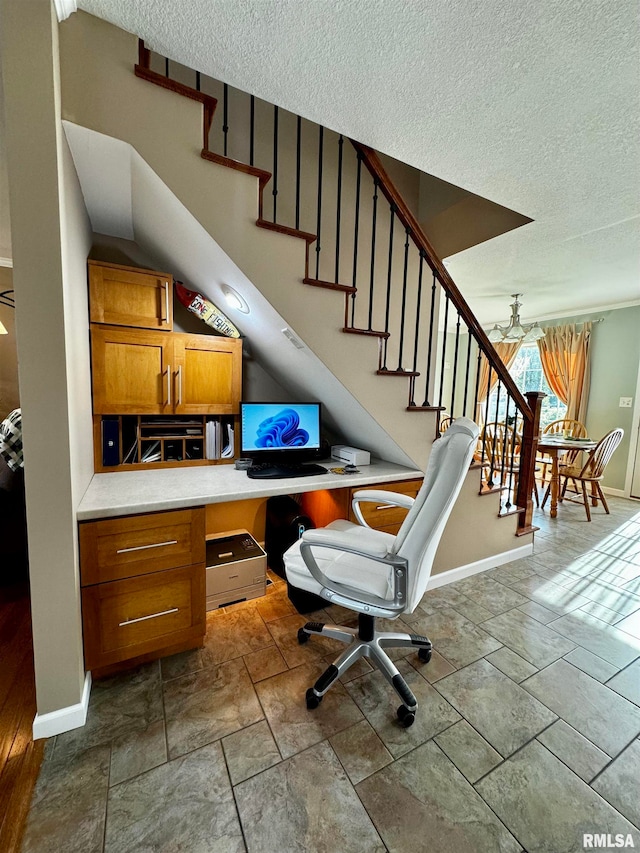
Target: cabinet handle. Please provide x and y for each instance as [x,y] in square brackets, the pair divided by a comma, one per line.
[145,547]
[150,616]
[166,301]
[169,375]
[179,375]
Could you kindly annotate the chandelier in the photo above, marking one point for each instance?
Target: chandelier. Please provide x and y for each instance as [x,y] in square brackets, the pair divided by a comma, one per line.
[515,331]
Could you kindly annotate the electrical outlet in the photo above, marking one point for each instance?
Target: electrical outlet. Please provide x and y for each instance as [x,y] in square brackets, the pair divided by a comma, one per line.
[625,402]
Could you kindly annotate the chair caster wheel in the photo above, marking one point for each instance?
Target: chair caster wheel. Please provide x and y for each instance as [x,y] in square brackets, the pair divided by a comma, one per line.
[424,655]
[405,716]
[312,700]
[303,637]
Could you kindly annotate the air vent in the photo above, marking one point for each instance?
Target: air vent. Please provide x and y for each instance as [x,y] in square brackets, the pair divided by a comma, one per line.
[293,338]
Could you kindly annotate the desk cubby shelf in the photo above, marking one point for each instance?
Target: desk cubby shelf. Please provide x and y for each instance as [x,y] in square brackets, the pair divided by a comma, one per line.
[148,441]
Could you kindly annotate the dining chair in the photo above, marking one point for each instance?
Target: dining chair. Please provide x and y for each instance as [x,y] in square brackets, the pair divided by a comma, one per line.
[575,430]
[591,472]
[445,423]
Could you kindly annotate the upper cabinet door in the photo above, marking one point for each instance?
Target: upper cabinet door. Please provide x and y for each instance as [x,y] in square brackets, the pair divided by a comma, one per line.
[208,374]
[132,372]
[127,296]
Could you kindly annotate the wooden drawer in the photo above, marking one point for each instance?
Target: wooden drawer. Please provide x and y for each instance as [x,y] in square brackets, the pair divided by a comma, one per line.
[132,617]
[384,516]
[117,548]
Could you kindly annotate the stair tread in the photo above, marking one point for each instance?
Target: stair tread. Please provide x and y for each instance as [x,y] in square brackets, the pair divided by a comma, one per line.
[425,409]
[286,229]
[329,285]
[238,165]
[386,372]
[353,331]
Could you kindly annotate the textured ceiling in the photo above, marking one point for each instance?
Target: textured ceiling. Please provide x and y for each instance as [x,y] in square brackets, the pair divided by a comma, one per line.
[535,106]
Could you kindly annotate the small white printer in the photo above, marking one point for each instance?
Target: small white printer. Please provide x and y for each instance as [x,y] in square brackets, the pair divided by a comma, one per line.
[350,455]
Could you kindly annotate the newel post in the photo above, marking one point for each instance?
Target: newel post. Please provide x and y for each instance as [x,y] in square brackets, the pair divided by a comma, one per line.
[528,453]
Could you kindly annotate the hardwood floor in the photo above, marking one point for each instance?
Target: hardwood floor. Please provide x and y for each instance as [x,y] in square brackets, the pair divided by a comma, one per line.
[20,757]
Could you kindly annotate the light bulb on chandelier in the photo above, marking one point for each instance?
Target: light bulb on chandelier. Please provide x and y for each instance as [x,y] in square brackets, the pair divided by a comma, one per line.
[515,331]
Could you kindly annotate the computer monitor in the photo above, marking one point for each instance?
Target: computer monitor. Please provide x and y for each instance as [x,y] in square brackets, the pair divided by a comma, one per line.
[285,432]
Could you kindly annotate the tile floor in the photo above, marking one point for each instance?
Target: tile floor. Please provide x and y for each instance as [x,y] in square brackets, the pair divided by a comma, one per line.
[527,734]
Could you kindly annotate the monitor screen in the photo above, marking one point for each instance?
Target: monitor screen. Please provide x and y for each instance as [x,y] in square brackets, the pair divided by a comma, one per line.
[279,427]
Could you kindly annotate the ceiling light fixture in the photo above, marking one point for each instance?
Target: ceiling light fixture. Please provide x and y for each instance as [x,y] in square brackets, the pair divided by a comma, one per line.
[515,331]
[234,300]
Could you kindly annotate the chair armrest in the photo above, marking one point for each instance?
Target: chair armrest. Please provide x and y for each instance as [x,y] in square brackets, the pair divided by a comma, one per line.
[327,538]
[380,497]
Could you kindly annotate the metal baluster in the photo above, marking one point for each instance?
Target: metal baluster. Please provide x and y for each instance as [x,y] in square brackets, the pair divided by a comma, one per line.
[274,191]
[319,216]
[355,239]
[510,453]
[374,223]
[486,420]
[430,342]
[416,337]
[476,404]
[466,379]
[252,128]
[455,366]
[298,155]
[339,200]
[166,67]
[404,299]
[225,115]
[387,311]
[197,81]
[444,348]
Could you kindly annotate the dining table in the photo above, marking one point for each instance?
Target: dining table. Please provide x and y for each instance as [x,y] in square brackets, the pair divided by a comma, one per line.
[555,446]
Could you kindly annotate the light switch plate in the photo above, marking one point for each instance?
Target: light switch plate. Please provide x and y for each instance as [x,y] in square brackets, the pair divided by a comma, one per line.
[625,402]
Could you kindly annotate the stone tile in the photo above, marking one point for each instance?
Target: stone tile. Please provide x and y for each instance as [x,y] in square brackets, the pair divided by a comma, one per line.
[442,597]
[275,606]
[379,702]
[618,784]
[501,711]
[538,612]
[456,638]
[627,683]
[550,595]
[601,715]
[250,751]
[533,641]
[437,667]
[71,784]
[174,666]
[473,612]
[471,754]
[234,633]
[615,598]
[606,641]
[574,750]
[422,802]
[125,712]
[360,750]
[631,625]
[204,706]
[186,804]
[545,805]
[591,664]
[294,726]
[621,547]
[605,614]
[264,663]
[492,595]
[305,804]
[285,633]
[511,664]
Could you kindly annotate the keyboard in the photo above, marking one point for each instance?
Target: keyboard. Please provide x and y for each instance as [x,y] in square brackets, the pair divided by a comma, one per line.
[267,471]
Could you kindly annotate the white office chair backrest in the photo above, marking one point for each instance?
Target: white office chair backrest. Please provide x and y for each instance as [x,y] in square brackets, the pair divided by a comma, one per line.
[419,535]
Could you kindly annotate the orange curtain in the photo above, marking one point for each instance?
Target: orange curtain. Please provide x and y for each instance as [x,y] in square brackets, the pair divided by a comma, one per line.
[507,353]
[564,353]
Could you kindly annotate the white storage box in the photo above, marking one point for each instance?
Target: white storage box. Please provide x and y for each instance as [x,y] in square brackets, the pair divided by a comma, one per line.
[236,569]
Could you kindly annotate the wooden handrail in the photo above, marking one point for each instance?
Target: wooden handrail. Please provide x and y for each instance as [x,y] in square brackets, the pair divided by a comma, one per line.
[372,162]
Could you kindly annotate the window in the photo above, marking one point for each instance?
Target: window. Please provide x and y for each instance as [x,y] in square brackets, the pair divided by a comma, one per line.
[528,375]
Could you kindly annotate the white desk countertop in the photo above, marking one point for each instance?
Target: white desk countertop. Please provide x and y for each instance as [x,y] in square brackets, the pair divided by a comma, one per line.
[129,492]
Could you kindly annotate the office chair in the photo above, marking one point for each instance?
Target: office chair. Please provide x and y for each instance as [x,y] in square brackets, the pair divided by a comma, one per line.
[378,574]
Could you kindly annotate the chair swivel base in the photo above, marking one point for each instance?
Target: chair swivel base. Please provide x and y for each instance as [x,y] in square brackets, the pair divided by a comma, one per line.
[366,642]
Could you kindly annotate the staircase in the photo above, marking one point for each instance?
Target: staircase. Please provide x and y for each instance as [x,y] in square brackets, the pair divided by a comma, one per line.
[361,244]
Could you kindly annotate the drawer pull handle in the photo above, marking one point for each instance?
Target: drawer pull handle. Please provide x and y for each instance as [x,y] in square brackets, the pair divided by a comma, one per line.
[144,618]
[145,547]
[386,506]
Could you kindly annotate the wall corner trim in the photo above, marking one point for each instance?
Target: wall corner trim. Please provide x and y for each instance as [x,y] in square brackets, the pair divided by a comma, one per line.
[451,575]
[64,719]
[64,8]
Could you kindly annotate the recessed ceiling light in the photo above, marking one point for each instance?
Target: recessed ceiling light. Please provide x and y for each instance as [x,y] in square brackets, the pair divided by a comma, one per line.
[234,300]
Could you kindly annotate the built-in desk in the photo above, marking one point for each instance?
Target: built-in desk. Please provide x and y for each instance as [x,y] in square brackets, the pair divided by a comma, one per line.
[128,492]
[142,545]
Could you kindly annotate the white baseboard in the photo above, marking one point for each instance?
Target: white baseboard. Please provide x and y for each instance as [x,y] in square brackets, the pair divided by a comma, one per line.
[619,493]
[443,578]
[64,719]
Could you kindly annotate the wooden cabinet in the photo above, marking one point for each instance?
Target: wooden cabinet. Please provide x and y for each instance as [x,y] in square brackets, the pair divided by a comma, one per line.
[142,372]
[383,516]
[128,296]
[143,585]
